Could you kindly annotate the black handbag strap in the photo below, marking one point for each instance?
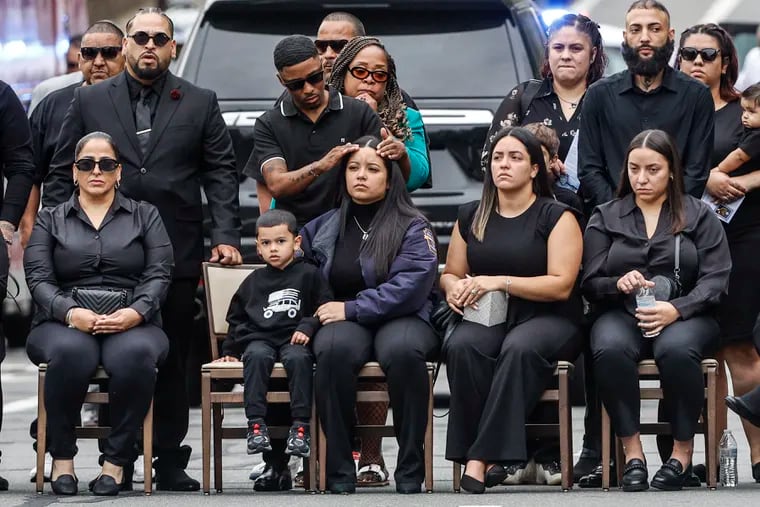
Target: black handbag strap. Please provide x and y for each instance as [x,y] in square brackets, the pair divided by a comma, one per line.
[677,267]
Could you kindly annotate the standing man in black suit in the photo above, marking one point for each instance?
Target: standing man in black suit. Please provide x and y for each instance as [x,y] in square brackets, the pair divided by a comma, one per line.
[173,142]
[17,167]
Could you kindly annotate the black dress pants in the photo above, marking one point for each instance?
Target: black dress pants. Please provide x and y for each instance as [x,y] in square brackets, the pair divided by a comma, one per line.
[171,400]
[258,360]
[4,265]
[496,380]
[130,359]
[618,345]
[401,346]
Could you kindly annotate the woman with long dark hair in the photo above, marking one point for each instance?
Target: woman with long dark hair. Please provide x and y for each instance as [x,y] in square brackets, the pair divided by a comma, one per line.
[378,253]
[707,53]
[517,239]
[654,236]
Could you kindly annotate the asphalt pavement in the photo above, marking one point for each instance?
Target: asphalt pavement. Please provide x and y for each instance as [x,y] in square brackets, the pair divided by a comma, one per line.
[19,385]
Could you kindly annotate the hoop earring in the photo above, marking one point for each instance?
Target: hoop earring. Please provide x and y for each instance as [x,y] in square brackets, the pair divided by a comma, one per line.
[118,184]
[76,183]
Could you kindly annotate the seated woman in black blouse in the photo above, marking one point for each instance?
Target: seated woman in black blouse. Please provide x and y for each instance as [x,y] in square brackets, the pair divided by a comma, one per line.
[98,239]
[519,240]
[630,243]
[379,255]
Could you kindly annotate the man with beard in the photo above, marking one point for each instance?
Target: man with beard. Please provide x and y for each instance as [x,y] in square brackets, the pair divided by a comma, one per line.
[649,95]
[173,141]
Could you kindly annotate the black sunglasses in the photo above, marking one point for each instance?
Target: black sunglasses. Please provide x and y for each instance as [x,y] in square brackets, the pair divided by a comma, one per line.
[312,79]
[707,54]
[160,39]
[108,52]
[336,45]
[379,76]
[105,164]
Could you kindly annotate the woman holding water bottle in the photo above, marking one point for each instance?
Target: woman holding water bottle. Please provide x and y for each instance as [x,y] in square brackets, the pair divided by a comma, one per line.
[654,241]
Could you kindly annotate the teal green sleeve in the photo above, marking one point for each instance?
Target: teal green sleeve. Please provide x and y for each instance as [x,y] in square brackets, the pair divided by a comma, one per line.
[417,150]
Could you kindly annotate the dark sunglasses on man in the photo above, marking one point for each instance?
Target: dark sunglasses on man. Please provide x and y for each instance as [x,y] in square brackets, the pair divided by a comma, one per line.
[298,84]
[336,45]
[141,38]
[105,164]
[707,54]
[108,52]
[379,76]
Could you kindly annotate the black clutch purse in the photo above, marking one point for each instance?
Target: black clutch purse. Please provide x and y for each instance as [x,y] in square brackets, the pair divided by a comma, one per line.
[101,301]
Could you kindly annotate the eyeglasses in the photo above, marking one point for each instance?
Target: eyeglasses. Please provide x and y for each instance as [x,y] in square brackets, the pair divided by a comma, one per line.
[105,164]
[312,79]
[379,76]
[707,54]
[336,45]
[160,39]
[108,52]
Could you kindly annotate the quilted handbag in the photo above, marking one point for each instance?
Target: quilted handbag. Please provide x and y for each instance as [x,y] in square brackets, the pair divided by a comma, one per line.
[101,301]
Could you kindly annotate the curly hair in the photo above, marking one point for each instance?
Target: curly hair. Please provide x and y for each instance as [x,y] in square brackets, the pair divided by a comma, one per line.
[586,26]
[728,55]
[391,109]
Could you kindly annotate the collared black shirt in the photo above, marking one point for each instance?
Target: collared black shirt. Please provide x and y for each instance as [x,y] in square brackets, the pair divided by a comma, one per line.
[46,122]
[544,108]
[286,133]
[135,87]
[16,163]
[616,242]
[130,249]
[615,110]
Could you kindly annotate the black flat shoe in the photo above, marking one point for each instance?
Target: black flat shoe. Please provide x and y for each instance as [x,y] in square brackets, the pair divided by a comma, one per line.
[742,409]
[3,484]
[342,488]
[586,464]
[175,479]
[756,472]
[105,485]
[472,485]
[671,476]
[408,488]
[495,475]
[67,485]
[635,476]
[594,479]
[273,480]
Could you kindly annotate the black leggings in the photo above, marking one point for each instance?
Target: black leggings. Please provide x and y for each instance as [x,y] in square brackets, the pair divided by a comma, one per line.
[401,346]
[496,380]
[130,359]
[617,346]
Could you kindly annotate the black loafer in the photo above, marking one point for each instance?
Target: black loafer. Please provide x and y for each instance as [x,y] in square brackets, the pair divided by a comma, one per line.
[635,476]
[586,464]
[594,479]
[408,488]
[495,475]
[273,480]
[175,479]
[472,485]
[105,485]
[742,409]
[671,476]
[67,485]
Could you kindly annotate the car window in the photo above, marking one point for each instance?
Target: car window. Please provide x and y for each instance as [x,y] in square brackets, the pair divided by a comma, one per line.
[446,58]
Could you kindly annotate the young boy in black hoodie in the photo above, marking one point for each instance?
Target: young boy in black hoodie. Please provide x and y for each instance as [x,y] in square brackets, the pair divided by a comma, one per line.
[271,317]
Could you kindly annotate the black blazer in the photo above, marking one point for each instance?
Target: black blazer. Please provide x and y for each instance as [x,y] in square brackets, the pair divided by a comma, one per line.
[189,148]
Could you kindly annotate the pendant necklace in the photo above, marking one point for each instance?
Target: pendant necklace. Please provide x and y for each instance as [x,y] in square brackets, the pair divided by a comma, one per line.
[572,104]
[365,234]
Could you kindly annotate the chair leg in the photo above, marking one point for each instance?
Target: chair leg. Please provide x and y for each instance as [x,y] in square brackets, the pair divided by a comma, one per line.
[429,438]
[457,468]
[217,422]
[41,431]
[206,430]
[605,449]
[310,466]
[711,438]
[322,460]
[565,431]
[619,461]
[148,450]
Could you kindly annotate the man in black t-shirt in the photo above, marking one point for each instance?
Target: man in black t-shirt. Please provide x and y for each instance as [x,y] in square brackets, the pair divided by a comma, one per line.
[299,142]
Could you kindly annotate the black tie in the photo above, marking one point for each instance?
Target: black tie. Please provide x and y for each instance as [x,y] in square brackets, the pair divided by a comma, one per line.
[142,118]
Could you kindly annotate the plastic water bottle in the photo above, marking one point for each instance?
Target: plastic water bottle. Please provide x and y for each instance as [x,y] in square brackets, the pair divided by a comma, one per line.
[645,298]
[728,450]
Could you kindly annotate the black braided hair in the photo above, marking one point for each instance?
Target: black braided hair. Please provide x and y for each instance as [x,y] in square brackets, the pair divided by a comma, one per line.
[391,109]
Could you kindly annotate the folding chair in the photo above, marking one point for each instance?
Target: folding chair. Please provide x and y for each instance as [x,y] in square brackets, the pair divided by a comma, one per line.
[221,283]
[564,428]
[708,425]
[100,398]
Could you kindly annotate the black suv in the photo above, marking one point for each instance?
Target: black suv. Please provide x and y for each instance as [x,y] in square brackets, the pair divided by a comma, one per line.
[456,58]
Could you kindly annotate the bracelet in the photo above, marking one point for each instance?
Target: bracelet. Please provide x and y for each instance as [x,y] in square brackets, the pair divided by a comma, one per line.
[509,282]
[67,320]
